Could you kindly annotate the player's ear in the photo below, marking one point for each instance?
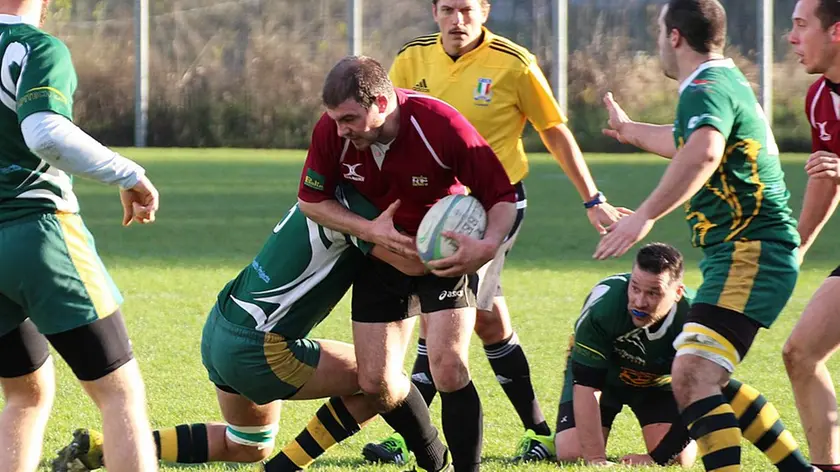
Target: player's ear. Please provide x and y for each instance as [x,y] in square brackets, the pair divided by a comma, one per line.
[680,292]
[675,38]
[381,103]
[834,30]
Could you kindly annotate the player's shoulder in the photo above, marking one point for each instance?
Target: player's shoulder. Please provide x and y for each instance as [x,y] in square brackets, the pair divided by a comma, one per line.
[608,294]
[515,55]
[616,281]
[419,45]
[36,39]
[429,107]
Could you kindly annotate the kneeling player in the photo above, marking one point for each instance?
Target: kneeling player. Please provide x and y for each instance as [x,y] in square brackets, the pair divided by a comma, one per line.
[255,348]
[623,349]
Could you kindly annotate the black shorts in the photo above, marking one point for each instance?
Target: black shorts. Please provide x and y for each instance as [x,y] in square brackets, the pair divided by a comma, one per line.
[835,272]
[737,328]
[382,294]
[657,406]
[92,351]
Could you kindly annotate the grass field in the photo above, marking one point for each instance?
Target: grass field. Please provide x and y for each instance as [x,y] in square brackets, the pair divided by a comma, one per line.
[217,206]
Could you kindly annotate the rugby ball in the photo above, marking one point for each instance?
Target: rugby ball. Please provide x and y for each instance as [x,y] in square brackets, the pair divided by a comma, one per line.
[461,214]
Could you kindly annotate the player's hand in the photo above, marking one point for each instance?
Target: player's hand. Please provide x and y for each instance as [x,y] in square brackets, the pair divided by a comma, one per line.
[603,215]
[383,233]
[823,165]
[140,203]
[618,120]
[637,459]
[622,235]
[411,266]
[472,253]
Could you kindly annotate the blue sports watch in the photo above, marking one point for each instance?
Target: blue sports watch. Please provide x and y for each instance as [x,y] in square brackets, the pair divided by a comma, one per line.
[599,199]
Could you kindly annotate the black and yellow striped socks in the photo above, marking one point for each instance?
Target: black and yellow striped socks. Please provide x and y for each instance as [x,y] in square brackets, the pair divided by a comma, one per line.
[712,423]
[332,424]
[761,425]
[186,443]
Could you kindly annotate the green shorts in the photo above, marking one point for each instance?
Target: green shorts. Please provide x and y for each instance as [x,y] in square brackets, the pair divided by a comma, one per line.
[261,366]
[52,274]
[755,278]
[650,405]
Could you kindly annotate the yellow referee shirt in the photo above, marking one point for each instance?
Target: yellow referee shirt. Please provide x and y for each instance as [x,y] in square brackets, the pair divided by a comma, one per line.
[496,86]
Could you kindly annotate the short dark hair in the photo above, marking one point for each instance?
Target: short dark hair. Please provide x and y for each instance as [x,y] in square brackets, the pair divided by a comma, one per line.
[701,22]
[828,11]
[360,78]
[484,3]
[657,258]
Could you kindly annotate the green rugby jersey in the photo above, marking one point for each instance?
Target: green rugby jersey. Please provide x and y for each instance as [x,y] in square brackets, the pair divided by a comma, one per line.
[36,74]
[299,275]
[746,199]
[606,338]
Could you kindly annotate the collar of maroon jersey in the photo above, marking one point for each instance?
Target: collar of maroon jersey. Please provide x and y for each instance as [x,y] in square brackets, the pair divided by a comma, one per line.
[832,86]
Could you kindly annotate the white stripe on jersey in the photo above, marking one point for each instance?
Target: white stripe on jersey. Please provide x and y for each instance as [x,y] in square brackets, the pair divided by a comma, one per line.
[321,263]
[344,151]
[814,102]
[426,142]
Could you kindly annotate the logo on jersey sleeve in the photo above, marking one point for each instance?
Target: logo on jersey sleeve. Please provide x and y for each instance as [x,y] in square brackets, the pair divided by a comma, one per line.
[314,180]
[352,174]
[695,120]
[421,86]
[823,134]
[483,92]
[419,181]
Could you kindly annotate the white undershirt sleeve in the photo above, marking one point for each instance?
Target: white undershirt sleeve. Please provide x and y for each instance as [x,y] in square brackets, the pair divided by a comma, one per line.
[63,145]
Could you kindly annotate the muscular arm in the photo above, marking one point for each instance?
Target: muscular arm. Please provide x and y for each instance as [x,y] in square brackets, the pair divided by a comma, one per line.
[689,170]
[656,139]
[589,381]
[500,220]
[588,424]
[333,215]
[562,145]
[821,198]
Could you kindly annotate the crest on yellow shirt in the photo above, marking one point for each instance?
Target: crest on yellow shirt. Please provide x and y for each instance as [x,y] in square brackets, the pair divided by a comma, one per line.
[483,92]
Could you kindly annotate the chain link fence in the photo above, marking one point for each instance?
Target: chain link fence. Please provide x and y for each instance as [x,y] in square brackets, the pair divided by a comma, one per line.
[248,73]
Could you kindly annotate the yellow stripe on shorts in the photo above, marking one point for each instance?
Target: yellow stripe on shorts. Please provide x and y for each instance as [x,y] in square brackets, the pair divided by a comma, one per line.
[283,362]
[739,282]
[87,265]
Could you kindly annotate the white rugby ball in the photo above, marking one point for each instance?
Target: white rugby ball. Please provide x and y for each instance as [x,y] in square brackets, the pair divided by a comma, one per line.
[461,214]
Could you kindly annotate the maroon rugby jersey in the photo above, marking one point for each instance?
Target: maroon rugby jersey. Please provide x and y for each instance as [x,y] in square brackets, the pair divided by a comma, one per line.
[822,106]
[435,149]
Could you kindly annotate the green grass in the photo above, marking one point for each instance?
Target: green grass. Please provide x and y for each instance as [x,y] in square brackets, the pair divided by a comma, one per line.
[217,206]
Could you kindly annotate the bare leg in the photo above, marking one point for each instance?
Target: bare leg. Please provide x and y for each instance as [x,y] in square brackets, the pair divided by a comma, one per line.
[29,399]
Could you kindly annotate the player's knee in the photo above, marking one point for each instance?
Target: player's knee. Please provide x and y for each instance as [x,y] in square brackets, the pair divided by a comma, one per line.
[121,389]
[566,451]
[385,392]
[449,372]
[489,327]
[250,454]
[798,358]
[249,444]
